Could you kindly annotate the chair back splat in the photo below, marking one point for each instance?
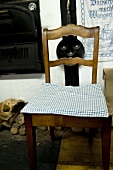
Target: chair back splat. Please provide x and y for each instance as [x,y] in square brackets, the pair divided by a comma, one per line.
[75,30]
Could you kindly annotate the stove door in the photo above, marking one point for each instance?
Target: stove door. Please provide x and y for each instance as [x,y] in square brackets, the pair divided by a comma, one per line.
[16,24]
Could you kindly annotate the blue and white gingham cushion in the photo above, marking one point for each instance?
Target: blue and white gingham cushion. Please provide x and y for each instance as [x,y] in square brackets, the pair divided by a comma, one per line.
[82,101]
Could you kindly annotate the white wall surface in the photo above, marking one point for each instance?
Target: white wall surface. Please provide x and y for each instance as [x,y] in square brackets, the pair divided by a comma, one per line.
[23,87]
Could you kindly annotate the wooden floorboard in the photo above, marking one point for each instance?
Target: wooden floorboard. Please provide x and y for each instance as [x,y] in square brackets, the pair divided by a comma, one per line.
[75,167]
[77,154]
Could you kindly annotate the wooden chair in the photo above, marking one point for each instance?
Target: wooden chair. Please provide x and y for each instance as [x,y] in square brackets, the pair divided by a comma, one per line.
[53,120]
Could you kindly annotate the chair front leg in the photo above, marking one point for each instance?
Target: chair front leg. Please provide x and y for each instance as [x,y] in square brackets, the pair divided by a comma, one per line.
[31,141]
[106,141]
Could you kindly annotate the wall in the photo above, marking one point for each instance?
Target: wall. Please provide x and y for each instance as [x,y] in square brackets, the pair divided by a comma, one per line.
[23,87]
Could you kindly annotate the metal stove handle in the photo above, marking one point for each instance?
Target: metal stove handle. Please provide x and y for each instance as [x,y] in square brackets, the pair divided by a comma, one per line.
[6,14]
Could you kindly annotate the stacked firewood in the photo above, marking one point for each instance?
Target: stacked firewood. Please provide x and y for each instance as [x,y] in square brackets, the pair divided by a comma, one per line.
[10,116]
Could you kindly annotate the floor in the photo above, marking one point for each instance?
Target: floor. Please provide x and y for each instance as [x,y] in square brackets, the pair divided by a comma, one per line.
[76,153]
[14,155]
[73,153]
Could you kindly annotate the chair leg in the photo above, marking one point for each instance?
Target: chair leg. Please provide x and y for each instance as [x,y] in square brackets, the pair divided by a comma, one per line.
[92,132]
[53,138]
[31,141]
[106,140]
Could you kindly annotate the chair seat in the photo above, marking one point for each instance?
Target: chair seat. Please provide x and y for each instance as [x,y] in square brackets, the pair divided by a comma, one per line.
[81,101]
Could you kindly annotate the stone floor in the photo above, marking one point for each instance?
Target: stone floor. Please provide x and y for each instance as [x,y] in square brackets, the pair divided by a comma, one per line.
[14,155]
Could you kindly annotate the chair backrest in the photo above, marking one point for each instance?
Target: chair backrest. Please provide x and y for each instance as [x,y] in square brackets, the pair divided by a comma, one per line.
[75,30]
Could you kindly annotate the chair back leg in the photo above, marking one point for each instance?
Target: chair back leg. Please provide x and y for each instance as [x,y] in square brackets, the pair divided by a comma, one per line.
[52,133]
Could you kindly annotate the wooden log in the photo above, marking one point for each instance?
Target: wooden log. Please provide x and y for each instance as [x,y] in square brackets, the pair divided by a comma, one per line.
[15,128]
[20,119]
[22,130]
